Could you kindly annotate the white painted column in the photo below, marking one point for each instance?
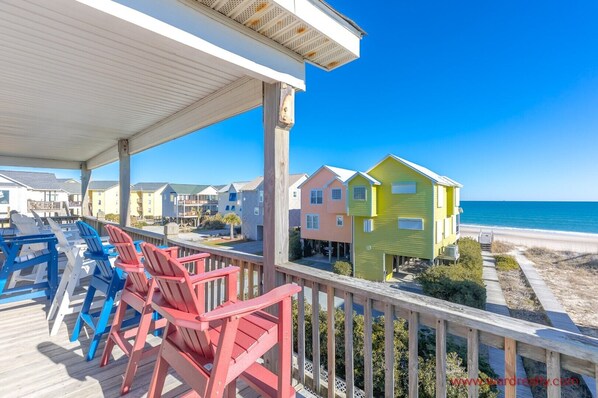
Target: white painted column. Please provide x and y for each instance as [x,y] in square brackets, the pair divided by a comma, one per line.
[85,179]
[124,195]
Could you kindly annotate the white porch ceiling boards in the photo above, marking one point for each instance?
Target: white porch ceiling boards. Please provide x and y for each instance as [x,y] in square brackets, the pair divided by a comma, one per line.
[78,75]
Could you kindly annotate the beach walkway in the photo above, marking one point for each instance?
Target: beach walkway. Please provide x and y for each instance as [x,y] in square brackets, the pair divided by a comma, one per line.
[495,302]
[555,312]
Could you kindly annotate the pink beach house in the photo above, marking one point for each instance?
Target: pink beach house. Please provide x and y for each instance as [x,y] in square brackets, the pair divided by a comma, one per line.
[325,226]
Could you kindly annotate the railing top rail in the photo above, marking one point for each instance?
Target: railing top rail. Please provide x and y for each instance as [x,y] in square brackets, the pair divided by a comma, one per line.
[534,334]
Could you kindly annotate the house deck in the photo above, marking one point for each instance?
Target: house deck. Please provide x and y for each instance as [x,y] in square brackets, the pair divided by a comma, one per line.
[34,364]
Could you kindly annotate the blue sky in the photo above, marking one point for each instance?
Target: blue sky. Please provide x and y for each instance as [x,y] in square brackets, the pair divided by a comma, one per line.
[501,96]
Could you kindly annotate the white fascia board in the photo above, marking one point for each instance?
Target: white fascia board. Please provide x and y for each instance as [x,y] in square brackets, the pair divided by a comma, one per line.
[39,162]
[196,29]
[322,22]
[238,97]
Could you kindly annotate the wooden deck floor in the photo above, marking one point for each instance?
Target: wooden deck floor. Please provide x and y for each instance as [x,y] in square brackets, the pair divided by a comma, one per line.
[33,364]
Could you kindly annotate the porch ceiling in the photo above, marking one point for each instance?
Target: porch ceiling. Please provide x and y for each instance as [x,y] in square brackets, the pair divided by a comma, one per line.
[78,75]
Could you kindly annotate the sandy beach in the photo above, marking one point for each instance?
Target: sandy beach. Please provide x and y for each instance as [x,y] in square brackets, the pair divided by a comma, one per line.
[554,240]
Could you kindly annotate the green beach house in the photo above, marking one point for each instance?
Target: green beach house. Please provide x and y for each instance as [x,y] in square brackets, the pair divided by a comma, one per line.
[401,210]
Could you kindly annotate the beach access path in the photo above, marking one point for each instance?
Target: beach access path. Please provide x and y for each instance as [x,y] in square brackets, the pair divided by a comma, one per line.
[555,312]
[495,302]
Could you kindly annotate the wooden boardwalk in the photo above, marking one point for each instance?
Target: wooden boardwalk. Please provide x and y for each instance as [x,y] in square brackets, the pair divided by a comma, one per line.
[33,364]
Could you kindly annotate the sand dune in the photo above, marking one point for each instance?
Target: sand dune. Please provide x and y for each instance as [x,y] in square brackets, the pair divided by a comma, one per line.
[555,240]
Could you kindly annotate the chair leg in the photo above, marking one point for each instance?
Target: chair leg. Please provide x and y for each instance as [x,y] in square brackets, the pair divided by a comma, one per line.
[61,291]
[102,325]
[137,350]
[4,275]
[84,310]
[115,329]
[158,377]
[231,389]
[14,278]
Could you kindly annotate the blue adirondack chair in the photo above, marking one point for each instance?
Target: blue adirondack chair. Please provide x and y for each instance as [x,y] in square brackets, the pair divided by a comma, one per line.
[106,279]
[14,261]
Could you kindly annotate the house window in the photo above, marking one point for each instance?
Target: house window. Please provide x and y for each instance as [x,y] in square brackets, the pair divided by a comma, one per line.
[368,225]
[232,207]
[441,193]
[232,197]
[172,197]
[454,225]
[340,221]
[404,187]
[316,197]
[99,202]
[457,193]
[359,193]
[227,207]
[256,211]
[438,231]
[294,194]
[336,193]
[261,196]
[313,221]
[414,224]
[149,202]
[447,227]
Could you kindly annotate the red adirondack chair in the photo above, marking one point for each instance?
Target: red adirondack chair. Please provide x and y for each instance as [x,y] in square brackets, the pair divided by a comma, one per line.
[211,350]
[137,293]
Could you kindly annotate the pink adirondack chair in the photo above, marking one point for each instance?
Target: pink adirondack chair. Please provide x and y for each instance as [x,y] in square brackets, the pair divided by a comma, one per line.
[137,293]
[211,350]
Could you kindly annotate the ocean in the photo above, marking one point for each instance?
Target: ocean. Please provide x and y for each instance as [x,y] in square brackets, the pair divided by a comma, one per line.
[557,216]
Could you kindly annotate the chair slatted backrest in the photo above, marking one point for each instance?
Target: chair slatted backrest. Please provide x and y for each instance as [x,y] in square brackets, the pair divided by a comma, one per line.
[130,258]
[63,244]
[95,249]
[27,226]
[175,286]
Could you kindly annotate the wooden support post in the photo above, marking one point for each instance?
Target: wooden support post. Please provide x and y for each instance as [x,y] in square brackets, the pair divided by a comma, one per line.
[279,117]
[553,372]
[124,181]
[85,179]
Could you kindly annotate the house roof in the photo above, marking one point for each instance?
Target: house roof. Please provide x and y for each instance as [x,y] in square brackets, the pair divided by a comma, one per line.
[368,177]
[70,185]
[257,182]
[341,174]
[148,186]
[436,178]
[33,180]
[237,185]
[101,185]
[188,189]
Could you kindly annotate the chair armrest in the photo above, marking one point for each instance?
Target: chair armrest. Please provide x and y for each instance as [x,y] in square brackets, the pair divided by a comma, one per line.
[27,237]
[193,258]
[243,308]
[209,276]
[174,316]
[30,239]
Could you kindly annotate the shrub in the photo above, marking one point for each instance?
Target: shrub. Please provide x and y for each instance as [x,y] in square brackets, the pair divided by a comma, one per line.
[112,217]
[427,361]
[499,246]
[343,268]
[455,284]
[461,283]
[506,263]
[295,250]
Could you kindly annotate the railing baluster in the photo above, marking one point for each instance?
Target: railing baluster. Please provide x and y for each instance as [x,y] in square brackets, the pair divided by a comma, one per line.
[260,280]
[413,357]
[510,366]
[440,358]
[553,372]
[331,342]
[315,334]
[368,370]
[242,267]
[389,351]
[250,279]
[349,373]
[473,356]
[301,331]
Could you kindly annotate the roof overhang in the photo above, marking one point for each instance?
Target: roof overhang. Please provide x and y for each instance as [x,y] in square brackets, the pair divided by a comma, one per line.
[78,75]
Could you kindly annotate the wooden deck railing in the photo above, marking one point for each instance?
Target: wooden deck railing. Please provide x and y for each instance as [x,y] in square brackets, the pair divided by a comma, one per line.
[558,349]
